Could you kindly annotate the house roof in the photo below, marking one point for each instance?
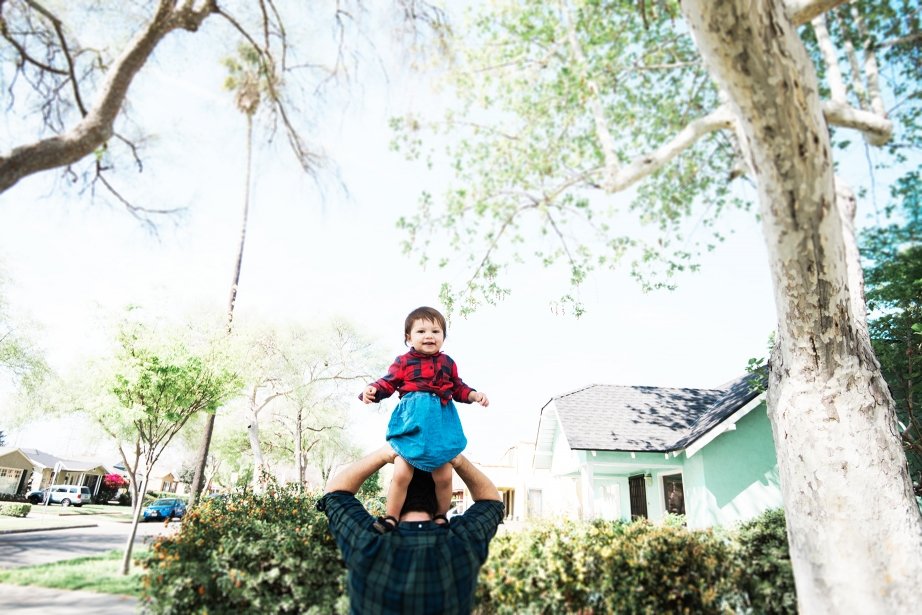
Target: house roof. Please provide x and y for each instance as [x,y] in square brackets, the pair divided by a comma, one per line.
[47,460]
[642,418]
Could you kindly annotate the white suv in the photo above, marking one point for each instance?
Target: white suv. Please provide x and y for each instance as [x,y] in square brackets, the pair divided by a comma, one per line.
[67,495]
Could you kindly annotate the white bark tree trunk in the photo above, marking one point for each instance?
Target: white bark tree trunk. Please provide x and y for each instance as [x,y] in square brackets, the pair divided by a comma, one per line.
[854,528]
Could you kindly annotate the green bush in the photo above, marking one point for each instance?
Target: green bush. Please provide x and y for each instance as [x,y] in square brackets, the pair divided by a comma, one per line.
[247,554]
[15,509]
[765,564]
[608,567]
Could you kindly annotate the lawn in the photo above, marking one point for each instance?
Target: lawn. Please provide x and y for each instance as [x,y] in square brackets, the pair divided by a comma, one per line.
[100,573]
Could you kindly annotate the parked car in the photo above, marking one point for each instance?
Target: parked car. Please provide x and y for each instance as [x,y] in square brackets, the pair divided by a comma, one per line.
[164,508]
[36,497]
[65,495]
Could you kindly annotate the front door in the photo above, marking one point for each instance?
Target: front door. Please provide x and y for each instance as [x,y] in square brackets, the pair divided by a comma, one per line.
[638,488]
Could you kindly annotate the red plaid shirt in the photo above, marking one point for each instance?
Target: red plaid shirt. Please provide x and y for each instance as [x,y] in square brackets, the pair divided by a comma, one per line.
[416,371]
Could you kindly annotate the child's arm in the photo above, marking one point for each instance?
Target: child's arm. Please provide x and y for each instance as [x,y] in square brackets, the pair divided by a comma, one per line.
[384,387]
[463,393]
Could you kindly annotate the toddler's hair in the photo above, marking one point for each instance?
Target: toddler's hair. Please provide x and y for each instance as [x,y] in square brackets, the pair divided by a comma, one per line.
[424,313]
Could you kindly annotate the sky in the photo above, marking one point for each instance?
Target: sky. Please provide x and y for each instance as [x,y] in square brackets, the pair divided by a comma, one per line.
[315,251]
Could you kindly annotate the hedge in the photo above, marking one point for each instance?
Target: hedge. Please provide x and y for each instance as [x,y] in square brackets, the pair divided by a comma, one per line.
[274,554]
[246,554]
[15,509]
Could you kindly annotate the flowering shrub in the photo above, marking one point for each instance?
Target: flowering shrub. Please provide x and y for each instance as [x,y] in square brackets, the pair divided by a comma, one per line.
[111,483]
[247,553]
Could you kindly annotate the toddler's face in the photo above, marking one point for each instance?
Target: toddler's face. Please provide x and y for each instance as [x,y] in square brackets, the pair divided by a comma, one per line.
[426,336]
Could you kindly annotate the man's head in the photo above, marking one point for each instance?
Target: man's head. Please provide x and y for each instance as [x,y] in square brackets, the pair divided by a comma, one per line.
[420,495]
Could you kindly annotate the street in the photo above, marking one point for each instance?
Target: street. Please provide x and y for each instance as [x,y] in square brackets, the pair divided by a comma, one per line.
[54,545]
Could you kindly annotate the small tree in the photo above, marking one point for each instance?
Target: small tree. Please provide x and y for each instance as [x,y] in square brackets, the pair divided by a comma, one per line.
[153,389]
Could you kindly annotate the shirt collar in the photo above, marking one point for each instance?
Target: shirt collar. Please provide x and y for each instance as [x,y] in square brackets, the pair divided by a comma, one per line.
[422,355]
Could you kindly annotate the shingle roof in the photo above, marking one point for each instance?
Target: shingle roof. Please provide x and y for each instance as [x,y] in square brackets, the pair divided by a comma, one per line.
[638,418]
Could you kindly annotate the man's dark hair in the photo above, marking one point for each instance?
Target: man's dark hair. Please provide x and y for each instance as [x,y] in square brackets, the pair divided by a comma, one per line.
[420,494]
[424,313]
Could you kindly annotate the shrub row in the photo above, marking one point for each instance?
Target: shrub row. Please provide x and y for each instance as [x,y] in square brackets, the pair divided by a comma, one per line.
[274,554]
[246,554]
[14,509]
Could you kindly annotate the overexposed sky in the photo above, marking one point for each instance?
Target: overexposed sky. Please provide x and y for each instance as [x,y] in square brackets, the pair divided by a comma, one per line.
[314,251]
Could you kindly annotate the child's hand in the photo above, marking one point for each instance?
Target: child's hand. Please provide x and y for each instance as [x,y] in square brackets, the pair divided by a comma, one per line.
[480,398]
[368,395]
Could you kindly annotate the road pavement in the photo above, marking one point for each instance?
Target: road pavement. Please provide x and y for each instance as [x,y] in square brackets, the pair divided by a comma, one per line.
[40,547]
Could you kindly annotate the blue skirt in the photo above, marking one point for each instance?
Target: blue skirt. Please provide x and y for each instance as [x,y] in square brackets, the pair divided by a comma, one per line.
[424,432]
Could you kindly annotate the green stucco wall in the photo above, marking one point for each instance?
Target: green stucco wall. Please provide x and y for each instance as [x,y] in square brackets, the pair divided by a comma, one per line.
[734,477]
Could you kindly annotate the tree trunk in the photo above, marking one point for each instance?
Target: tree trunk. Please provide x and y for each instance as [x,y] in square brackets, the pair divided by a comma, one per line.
[299,453]
[202,461]
[259,462]
[855,530]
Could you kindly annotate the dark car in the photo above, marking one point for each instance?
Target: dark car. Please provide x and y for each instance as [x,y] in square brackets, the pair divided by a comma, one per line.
[164,508]
[36,497]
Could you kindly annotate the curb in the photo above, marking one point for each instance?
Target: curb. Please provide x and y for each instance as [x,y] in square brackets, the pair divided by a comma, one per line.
[48,529]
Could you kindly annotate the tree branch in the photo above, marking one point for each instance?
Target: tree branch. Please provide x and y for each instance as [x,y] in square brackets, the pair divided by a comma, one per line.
[606,141]
[642,166]
[97,126]
[877,129]
[802,11]
[833,74]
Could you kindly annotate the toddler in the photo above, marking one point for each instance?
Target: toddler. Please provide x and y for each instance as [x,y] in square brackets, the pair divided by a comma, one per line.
[424,429]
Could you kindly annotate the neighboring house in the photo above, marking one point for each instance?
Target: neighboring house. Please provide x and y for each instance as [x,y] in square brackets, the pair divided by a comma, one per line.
[15,471]
[169,482]
[622,452]
[31,469]
[514,478]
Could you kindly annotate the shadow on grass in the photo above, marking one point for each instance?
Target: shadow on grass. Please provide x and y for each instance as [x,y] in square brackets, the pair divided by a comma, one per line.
[100,573]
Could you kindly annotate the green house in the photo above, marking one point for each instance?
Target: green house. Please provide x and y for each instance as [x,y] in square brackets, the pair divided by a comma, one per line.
[622,452]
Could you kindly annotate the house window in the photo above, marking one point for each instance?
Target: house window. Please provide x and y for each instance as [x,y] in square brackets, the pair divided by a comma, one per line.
[508,501]
[674,494]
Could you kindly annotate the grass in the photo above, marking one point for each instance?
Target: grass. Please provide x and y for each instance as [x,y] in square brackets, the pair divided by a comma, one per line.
[99,573]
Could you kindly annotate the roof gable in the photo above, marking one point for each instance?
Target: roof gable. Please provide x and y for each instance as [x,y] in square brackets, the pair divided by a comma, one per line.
[647,419]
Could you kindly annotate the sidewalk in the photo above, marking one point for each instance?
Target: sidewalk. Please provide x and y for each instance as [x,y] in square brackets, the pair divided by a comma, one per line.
[43,601]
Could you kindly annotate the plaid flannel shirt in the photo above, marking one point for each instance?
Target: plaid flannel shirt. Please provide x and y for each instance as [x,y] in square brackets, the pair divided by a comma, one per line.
[420,568]
[417,371]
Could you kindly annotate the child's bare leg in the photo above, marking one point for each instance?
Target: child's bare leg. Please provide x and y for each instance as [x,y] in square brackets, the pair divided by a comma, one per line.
[441,476]
[397,492]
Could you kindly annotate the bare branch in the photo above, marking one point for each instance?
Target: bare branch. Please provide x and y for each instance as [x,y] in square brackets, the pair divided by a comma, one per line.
[97,126]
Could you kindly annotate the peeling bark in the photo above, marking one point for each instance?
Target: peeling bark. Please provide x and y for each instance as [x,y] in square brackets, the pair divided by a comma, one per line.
[854,527]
